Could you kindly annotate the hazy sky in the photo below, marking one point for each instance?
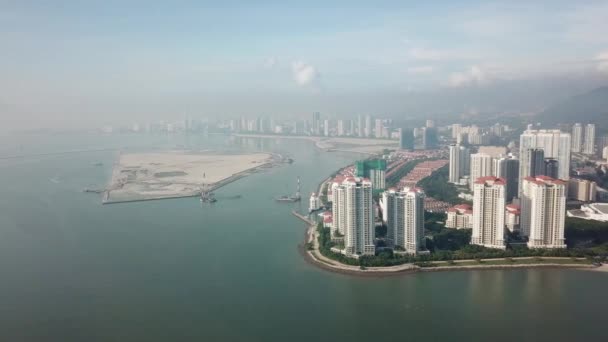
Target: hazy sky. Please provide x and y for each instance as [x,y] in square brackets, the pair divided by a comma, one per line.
[76,63]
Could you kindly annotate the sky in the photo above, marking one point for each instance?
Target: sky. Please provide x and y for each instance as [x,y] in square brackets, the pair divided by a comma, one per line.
[85,63]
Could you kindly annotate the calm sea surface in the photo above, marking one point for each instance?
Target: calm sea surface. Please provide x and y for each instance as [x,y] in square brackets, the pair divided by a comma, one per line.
[74,270]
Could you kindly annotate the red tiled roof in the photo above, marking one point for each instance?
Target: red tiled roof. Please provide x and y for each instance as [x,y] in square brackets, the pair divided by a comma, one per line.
[462,206]
[495,180]
[541,180]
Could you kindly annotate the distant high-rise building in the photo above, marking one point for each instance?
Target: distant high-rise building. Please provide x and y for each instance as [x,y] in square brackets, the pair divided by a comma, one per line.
[535,160]
[456,130]
[479,139]
[353,215]
[582,190]
[405,221]
[360,126]
[368,126]
[555,145]
[341,130]
[481,166]
[577,137]
[493,151]
[406,139]
[498,130]
[551,168]
[459,162]
[489,194]
[351,127]
[316,123]
[378,128]
[507,168]
[429,138]
[430,124]
[543,212]
[589,145]
[326,128]
[374,170]
[602,143]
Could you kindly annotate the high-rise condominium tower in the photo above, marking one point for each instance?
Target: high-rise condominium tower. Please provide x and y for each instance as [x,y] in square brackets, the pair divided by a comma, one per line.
[481,166]
[354,215]
[489,212]
[577,137]
[316,123]
[555,145]
[405,221]
[360,127]
[543,211]
[507,168]
[589,145]
[460,161]
[374,170]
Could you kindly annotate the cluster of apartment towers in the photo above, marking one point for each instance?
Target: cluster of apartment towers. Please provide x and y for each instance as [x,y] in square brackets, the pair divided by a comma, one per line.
[535,185]
[353,213]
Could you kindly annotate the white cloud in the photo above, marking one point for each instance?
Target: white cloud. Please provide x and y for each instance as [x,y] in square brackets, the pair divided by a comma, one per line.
[474,76]
[602,62]
[425,69]
[304,74]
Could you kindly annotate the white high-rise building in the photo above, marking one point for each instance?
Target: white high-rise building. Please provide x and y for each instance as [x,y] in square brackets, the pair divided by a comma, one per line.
[589,145]
[456,130]
[489,212]
[543,212]
[378,129]
[577,137]
[405,219]
[555,145]
[353,215]
[481,166]
[341,128]
[326,128]
[459,163]
[368,126]
[360,126]
[314,202]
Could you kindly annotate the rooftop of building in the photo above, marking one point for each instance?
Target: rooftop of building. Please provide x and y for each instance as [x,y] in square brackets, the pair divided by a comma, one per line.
[593,211]
[461,209]
[601,208]
[490,180]
[544,180]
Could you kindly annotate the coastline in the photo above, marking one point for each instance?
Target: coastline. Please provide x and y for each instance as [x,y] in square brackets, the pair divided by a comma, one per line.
[367,146]
[315,258]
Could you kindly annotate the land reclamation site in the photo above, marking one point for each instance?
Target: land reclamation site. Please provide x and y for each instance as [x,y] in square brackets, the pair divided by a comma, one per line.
[174,174]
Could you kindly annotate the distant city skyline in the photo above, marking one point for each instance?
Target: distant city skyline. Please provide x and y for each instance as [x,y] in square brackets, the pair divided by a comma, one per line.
[70,64]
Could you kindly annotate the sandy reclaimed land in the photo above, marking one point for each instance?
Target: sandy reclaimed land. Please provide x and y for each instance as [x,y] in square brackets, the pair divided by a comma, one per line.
[144,176]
